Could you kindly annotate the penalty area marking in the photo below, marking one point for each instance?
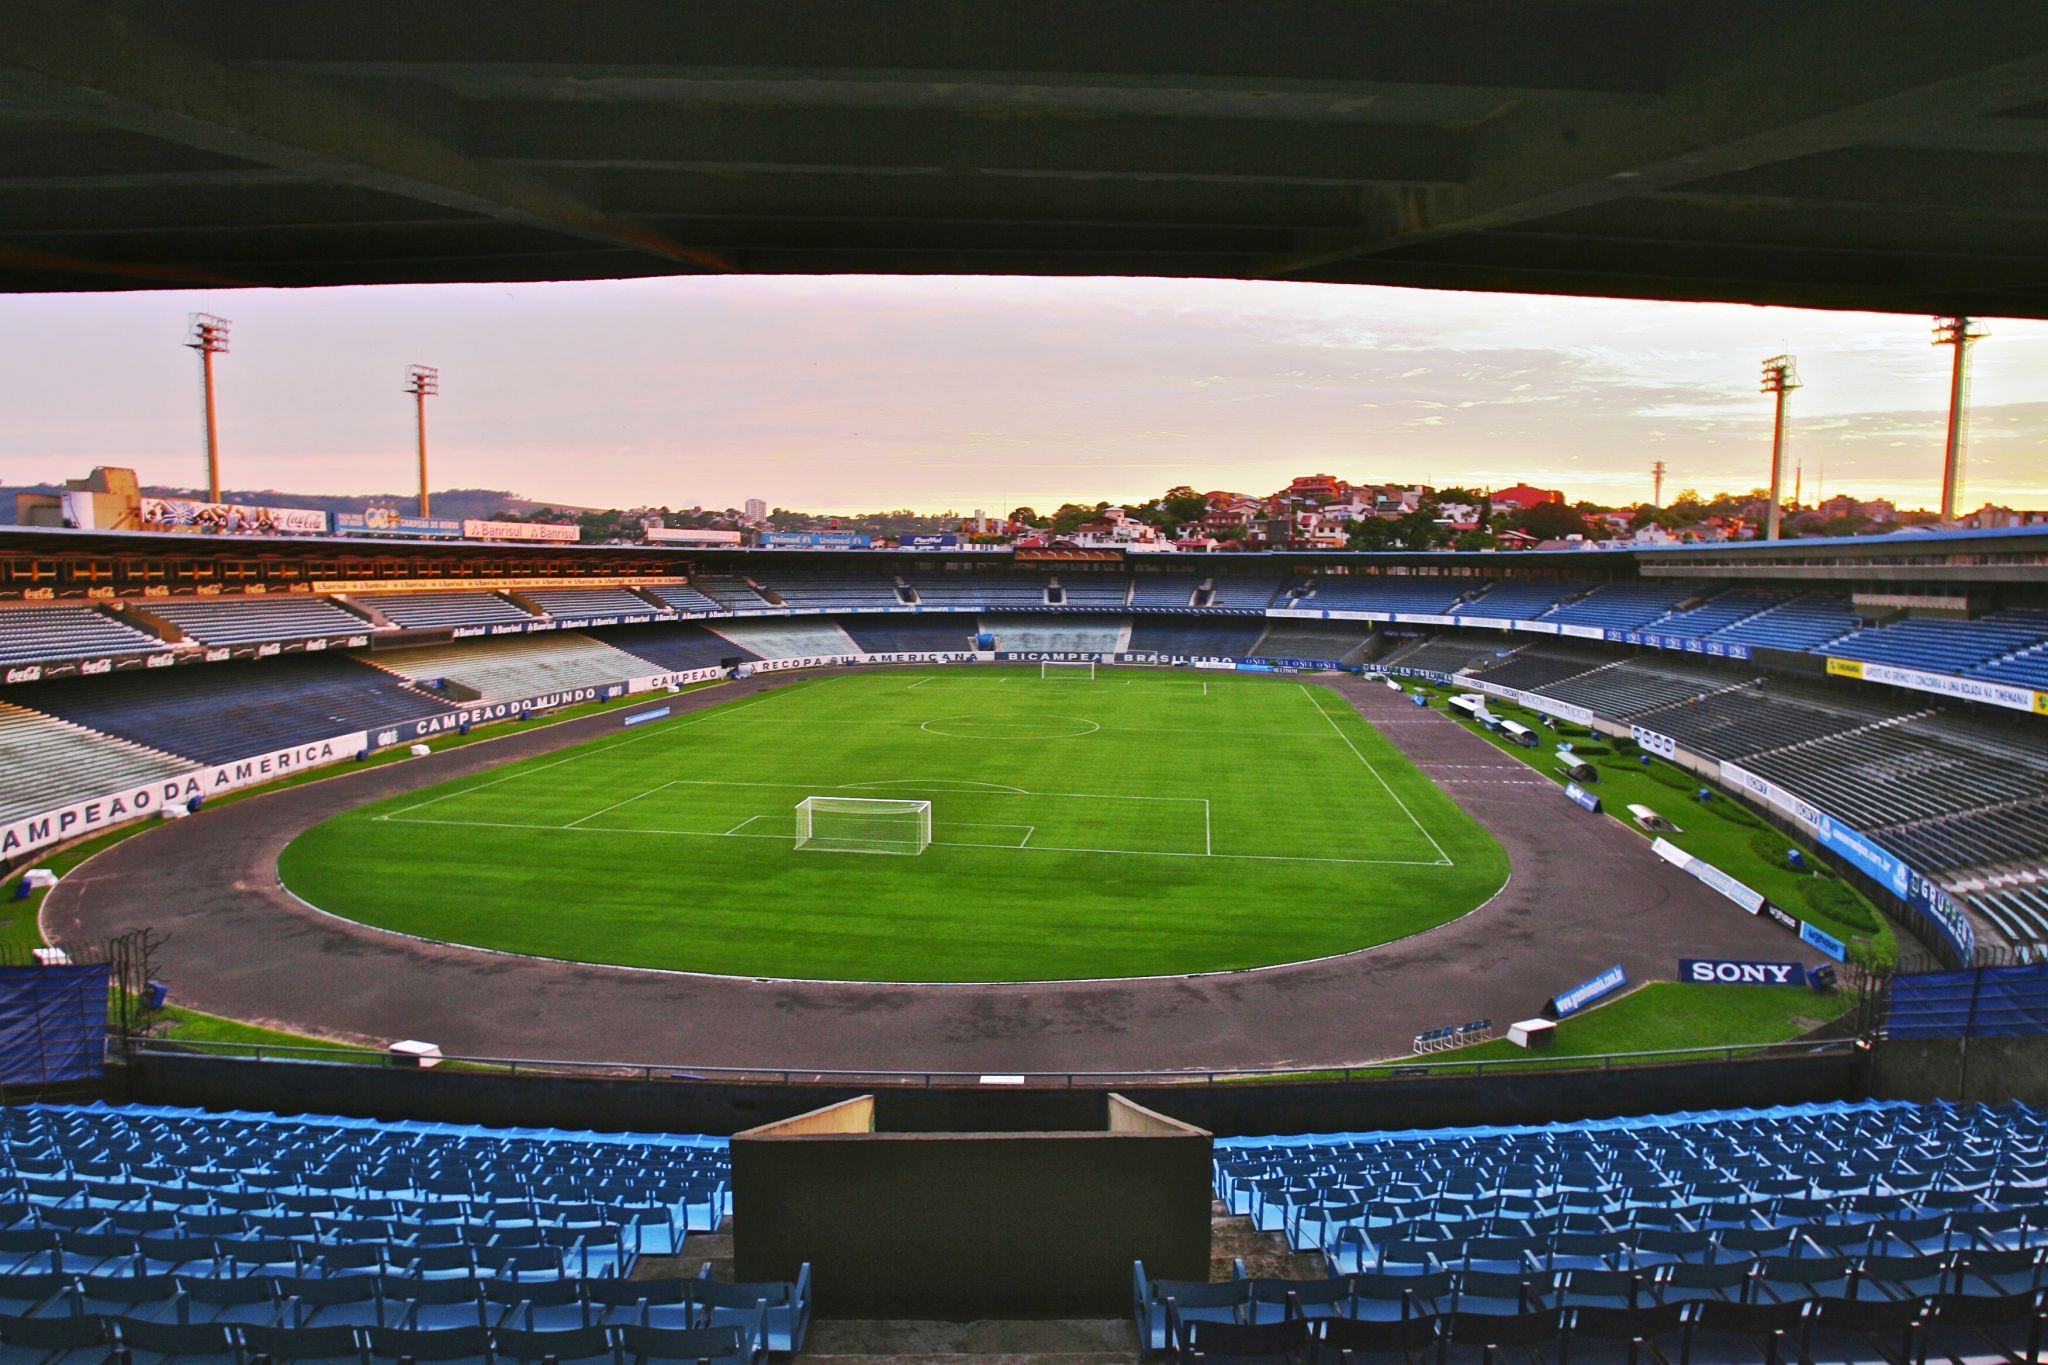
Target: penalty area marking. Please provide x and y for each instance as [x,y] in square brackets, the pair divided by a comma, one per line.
[1314,701]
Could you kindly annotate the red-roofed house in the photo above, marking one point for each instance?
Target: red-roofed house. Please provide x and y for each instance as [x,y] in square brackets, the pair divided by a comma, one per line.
[1523,495]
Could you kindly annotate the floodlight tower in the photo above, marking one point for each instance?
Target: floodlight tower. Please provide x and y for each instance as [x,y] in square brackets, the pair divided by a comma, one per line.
[422,381]
[1957,332]
[208,335]
[1781,376]
[1657,484]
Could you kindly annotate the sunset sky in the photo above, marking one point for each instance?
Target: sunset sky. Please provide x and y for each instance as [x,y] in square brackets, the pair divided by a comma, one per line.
[859,393]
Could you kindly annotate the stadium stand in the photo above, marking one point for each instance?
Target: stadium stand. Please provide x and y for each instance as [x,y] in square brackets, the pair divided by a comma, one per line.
[1243,591]
[36,634]
[1423,594]
[1886,774]
[2019,912]
[1077,633]
[730,591]
[1539,668]
[516,666]
[1748,720]
[999,586]
[683,597]
[1514,599]
[46,763]
[1717,613]
[910,634]
[309,1236]
[1676,1218]
[229,711]
[1081,588]
[1807,621]
[1944,645]
[1166,589]
[1449,653]
[1218,639]
[443,610]
[588,601]
[253,620]
[822,591]
[1632,686]
[1312,639]
[1622,606]
[673,646]
[784,637]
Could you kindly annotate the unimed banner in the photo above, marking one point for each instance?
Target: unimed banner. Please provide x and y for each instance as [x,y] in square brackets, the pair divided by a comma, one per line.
[53,1024]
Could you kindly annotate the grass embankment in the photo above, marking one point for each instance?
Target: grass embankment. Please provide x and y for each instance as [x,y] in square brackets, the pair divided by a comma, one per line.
[1720,830]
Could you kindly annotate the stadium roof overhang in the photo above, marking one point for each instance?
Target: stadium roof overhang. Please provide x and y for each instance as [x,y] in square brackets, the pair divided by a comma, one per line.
[1877,154]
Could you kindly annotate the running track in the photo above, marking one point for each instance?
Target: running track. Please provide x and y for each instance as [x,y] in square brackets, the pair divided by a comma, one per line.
[1584,893]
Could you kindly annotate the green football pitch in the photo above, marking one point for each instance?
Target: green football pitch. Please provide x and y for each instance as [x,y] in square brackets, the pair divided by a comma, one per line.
[1137,823]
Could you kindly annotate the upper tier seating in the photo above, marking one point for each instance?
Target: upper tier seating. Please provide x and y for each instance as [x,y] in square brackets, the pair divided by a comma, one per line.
[1809,620]
[1164,589]
[1243,591]
[34,634]
[1286,639]
[46,763]
[217,712]
[2029,668]
[1066,634]
[1536,668]
[2019,912]
[994,586]
[578,602]
[1942,645]
[1733,724]
[253,620]
[910,634]
[445,610]
[786,637]
[730,591]
[1717,613]
[517,666]
[1424,595]
[1516,599]
[1623,606]
[672,646]
[823,591]
[1222,639]
[683,597]
[1094,589]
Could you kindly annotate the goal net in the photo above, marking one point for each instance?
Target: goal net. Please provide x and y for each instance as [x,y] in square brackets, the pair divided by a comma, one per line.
[1070,668]
[861,824]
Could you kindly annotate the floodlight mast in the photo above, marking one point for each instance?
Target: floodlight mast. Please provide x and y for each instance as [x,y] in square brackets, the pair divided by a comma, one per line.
[422,382]
[1956,332]
[1781,376]
[207,334]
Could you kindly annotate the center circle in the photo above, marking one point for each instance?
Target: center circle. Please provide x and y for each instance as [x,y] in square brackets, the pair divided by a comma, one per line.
[1010,727]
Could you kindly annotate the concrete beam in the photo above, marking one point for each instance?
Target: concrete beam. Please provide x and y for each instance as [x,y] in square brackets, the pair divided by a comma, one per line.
[104,64]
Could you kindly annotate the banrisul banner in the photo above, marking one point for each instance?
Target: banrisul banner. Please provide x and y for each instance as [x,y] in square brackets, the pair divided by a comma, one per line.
[104,812]
[1721,971]
[1586,992]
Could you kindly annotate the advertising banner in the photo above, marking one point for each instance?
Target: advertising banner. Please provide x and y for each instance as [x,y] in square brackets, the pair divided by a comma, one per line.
[685,535]
[1720,881]
[1581,797]
[104,812]
[381,521]
[476,713]
[473,529]
[642,717]
[345,585]
[1661,745]
[938,542]
[230,518]
[1942,684]
[815,540]
[658,682]
[1824,941]
[1586,992]
[1716,971]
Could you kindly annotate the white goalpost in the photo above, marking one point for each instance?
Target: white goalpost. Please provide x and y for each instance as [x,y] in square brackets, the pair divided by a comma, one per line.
[862,824]
[1067,668]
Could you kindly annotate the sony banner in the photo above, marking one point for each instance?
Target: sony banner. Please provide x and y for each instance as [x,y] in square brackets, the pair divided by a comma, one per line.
[104,812]
[1716,971]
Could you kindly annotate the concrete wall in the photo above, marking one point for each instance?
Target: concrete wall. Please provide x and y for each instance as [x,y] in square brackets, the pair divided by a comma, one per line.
[1227,1109]
[971,1225]
[1988,1070]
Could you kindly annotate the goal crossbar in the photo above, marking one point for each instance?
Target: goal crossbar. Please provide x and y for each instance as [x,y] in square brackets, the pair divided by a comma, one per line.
[863,824]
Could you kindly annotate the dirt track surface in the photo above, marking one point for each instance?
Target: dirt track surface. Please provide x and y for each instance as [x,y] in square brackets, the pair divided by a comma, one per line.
[1584,894]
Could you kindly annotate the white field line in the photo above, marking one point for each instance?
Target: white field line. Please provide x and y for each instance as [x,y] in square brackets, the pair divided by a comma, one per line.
[729,833]
[1314,701]
[936,843]
[1208,835]
[919,683]
[586,752]
[615,805]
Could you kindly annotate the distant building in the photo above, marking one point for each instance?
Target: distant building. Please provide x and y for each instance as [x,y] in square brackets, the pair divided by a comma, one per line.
[1523,496]
[1317,488]
[1842,505]
[756,509]
[1990,518]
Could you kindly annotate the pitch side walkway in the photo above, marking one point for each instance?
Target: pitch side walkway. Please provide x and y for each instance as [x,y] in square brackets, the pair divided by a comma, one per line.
[1584,894]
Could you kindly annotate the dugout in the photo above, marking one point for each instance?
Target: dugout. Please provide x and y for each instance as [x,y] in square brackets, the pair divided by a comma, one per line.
[965,1225]
[1469,705]
[1520,734]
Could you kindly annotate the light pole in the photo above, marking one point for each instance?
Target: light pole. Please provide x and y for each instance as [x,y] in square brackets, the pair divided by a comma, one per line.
[420,382]
[208,335]
[1781,376]
[1956,332]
